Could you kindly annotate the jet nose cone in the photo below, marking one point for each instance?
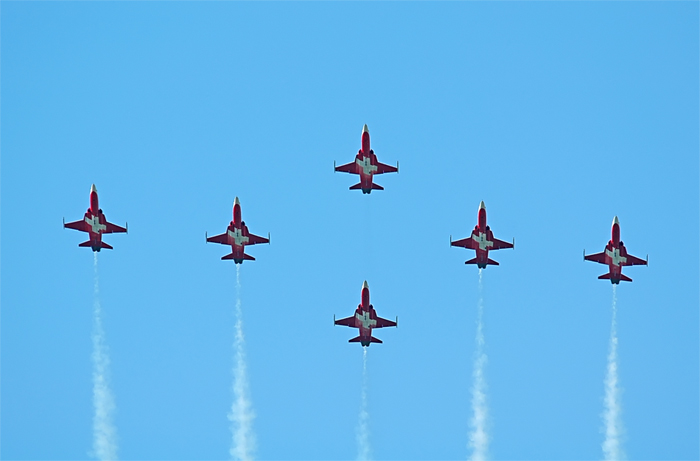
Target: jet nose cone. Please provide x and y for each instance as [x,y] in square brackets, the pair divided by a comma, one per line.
[236,201]
[482,206]
[365,285]
[93,189]
[616,221]
[365,129]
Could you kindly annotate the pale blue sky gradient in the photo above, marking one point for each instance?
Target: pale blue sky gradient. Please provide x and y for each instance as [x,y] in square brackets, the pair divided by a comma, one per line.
[558,115]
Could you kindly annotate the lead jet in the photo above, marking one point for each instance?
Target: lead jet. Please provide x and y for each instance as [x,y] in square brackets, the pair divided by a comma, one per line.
[238,237]
[365,319]
[482,240]
[366,165]
[95,224]
[615,256]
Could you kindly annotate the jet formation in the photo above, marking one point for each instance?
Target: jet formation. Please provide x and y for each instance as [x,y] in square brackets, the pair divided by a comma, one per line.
[366,166]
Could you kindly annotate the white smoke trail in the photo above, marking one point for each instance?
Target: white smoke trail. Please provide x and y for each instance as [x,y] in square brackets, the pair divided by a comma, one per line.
[612,447]
[104,432]
[478,438]
[241,414]
[363,449]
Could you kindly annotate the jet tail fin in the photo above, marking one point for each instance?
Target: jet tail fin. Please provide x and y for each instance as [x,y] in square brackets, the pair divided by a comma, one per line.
[355,340]
[471,261]
[377,187]
[357,186]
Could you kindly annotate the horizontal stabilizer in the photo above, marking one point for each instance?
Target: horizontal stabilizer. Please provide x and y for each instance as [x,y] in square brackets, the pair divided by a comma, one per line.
[608,276]
[471,261]
[492,262]
[357,186]
[359,339]
[89,244]
[232,256]
[377,187]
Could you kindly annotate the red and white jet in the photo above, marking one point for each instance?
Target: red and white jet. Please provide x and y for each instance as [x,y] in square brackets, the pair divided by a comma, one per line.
[615,256]
[238,237]
[482,240]
[366,165]
[95,224]
[365,319]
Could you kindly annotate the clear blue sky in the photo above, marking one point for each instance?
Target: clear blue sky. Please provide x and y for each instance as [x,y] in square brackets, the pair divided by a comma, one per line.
[558,115]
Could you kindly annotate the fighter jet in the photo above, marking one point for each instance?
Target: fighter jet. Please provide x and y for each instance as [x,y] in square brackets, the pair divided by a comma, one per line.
[366,165]
[365,319]
[615,256]
[482,240]
[238,237]
[95,224]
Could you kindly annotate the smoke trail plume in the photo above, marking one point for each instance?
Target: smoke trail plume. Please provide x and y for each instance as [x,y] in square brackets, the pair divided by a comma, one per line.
[241,414]
[363,450]
[612,447]
[104,432]
[478,438]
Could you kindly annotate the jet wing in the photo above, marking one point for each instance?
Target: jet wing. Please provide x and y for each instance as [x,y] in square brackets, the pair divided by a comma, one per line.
[500,244]
[634,261]
[255,239]
[347,168]
[384,168]
[465,243]
[597,257]
[383,323]
[113,228]
[348,322]
[77,225]
[221,238]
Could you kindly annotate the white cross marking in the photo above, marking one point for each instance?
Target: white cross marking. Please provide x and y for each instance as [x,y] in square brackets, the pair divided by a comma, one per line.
[238,236]
[366,165]
[366,321]
[94,222]
[615,256]
[480,238]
